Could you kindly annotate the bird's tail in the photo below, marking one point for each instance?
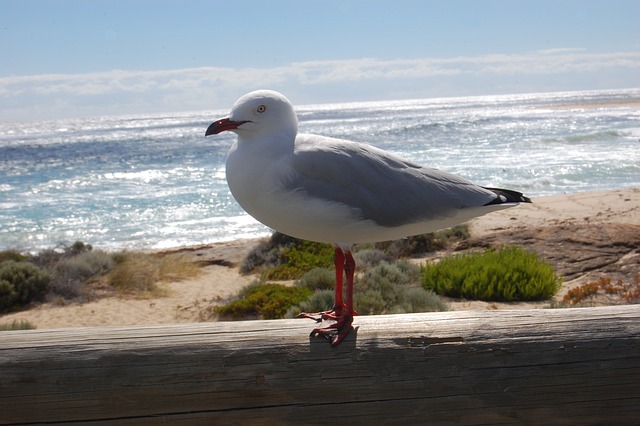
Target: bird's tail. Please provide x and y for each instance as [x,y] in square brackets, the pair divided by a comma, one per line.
[507,196]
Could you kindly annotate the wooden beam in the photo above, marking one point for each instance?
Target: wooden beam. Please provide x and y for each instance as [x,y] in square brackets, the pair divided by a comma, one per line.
[563,366]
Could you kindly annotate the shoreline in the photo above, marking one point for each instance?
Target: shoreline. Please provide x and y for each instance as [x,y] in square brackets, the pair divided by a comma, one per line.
[573,210]
[576,216]
[549,210]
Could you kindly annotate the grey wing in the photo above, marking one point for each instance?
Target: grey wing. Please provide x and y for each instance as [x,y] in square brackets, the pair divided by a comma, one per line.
[384,188]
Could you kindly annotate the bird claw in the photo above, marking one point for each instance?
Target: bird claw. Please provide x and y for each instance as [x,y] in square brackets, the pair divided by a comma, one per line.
[332,315]
[336,332]
[314,317]
[318,316]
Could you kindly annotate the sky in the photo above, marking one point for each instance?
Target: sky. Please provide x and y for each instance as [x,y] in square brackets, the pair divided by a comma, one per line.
[78,58]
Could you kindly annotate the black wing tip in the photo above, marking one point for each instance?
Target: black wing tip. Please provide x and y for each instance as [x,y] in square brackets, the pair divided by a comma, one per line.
[507,196]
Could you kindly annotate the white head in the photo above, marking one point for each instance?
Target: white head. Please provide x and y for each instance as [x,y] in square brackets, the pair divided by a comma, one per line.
[258,114]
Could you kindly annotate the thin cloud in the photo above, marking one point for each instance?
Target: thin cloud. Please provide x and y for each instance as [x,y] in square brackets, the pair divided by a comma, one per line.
[186,88]
[561,50]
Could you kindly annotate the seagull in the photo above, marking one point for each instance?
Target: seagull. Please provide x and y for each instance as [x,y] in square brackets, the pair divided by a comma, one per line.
[337,191]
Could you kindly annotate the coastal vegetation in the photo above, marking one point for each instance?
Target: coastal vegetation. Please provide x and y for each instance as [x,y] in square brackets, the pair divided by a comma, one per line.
[17,325]
[386,282]
[619,291]
[294,276]
[21,283]
[284,258]
[72,273]
[381,289]
[264,300]
[506,274]
[138,273]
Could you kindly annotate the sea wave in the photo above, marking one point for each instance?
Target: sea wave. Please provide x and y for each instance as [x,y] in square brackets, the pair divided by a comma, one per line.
[154,181]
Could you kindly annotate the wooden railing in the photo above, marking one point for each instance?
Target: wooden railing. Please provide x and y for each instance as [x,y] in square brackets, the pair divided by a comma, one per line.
[563,366]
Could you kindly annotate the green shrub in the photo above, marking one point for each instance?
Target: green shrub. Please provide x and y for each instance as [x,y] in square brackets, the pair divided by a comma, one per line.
[400,273]
[370,302]
[394,288]
[370,257]
[48,258]
[386,281]
[403,300]
[300,258]
[17,325]
[85,265]
[318,279]
[424,243]
[285,258]
[506,274]
[71,273]
[77,248]
[266,254]
[458,232]
[320,301]
[385,288]
[417,299]
[12,255]
[21,283]
[382,288]
[268,300]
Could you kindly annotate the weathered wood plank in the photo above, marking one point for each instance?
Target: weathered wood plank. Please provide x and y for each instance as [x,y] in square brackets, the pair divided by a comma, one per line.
[567,366]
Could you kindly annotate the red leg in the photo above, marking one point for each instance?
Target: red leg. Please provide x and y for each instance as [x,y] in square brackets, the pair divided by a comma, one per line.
[350,269]
[339,262]
[337,331]
[338,305]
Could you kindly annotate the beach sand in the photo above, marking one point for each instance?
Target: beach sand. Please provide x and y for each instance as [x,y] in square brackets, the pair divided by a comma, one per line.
[574,232]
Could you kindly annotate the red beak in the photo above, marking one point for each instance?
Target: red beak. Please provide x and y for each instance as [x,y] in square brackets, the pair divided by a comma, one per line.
[222,125]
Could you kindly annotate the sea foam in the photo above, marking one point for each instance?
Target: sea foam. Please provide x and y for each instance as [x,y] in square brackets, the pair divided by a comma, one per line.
[154,181]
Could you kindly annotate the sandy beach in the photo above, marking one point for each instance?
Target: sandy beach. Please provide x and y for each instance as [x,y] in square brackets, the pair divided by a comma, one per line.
[584,235]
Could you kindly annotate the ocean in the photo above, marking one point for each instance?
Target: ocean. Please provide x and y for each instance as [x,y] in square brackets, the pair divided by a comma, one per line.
[155,182]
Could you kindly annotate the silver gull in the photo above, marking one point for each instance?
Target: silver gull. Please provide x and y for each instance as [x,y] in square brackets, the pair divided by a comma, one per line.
[337,191]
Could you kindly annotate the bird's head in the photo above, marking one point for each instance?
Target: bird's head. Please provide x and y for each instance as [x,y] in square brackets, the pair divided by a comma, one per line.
[257,114]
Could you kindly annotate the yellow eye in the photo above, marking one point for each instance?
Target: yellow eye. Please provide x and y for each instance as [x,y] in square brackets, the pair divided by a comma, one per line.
[261,109]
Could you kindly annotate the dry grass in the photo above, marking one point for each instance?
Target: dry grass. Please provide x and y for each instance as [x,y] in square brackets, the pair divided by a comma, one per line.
[178,267]
[139,273]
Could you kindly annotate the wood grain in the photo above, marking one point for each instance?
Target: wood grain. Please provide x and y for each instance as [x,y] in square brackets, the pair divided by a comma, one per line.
[565,366]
